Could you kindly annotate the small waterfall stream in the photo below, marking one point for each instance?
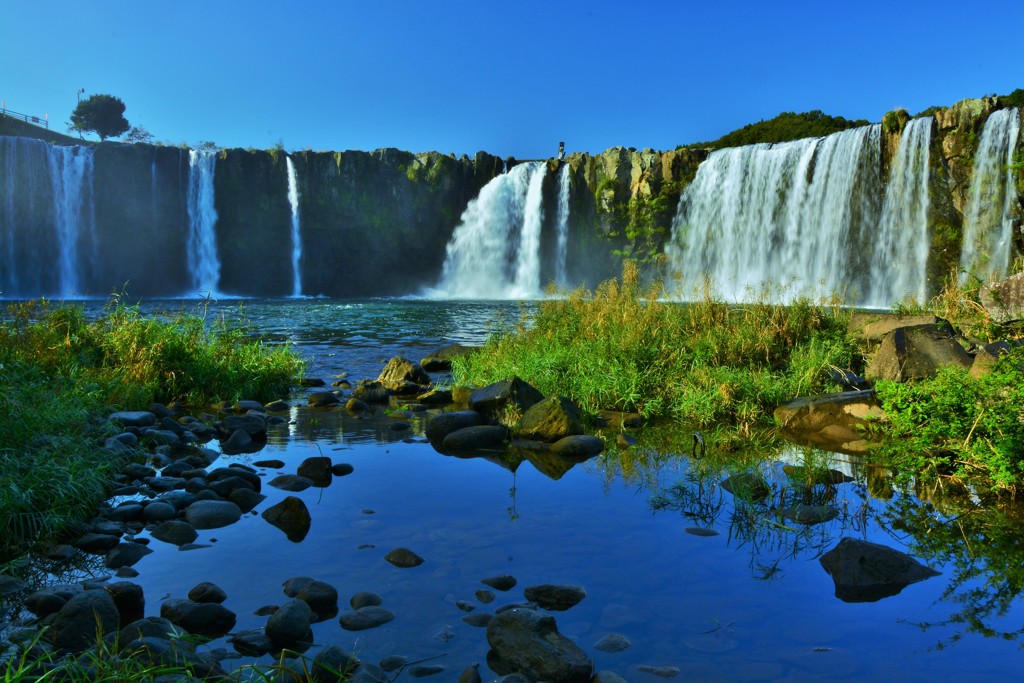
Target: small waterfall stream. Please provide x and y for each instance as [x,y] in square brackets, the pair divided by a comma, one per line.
[562,226]
[494,252]
[71,178]
[987,250]
[203,260]
[293,200]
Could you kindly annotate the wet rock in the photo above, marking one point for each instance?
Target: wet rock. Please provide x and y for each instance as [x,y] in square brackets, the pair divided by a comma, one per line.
[125,555]
[175,532]
[809,514]
[212,514]
[333,664]
[605,676]
[237,472]
[485,596]
[748,486]
[342,469]
[549,420]
[83,619]
[127,512]
[867,572]
[246,405]
[371,392]
[477,438]
[290,624]
[365,599]
[441,425]
[290,482]
[366,618]
[228,485]
[701,531]
[530,642]
[199,618]
[290,516]
[321,597]
[148,627]
[239,442]
[129,600]
[441,359]
[252,643]
[207,592]
[368,673]
[917,352]
[553,597]
[246,499]
[613,642]
[434,397]
[393,662]
[579,446]
[45,602]
[354,405]
[424,670]
[504,582]
[835,420]
[471,674]
[311,382]
[659,671]
[317,469]
[321,399]
[159,511]
[465,606]
[272,464]
[136,418]
[97,544]
[478,619]
[403,558]
[504,402]
[399,373]
[277,406]
[253,424]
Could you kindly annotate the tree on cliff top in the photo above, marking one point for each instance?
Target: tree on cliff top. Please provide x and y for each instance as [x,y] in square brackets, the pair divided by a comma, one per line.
[101,114]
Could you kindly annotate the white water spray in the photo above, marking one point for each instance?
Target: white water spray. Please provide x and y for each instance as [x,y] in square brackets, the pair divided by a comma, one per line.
[494,252]
[987,249]
[293,200]
[203,261]
[562,226]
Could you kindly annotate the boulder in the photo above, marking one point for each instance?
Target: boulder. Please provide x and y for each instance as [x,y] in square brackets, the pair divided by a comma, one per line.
[333,664]
[239,442]
[317,469]
[476,438]
[290,482]
[246,499]
[290,624]
[917,352]
[366,618]
[441,360]
[84,619]
[1004,300]
[400,373]
[207,592]
[200,618]
[504,402]
[290,516]
[133,418]
[371,392]
[834,421]
[254,424]
[321,597]
[441,425]
[404,558]
[323,398]
[554,597]
[530,642]
[578,446]
[550,419]
[175,532]
[129,600]
[212,514]
[867,572]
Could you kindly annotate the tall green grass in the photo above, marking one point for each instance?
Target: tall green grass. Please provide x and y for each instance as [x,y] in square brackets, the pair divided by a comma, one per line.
[59,371]
[624,347]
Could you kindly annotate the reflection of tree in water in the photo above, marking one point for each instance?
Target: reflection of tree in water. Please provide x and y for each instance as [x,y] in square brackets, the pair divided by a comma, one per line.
[39,572]
[982,548]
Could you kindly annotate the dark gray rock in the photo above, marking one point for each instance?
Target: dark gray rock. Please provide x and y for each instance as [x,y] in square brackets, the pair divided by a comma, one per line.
[128,512]
[290,482]
[441,359]
[403,558]
[125,555]
[317,469]
[323,398]
[748,486]
[365,599]
[83,620]
[443,424]
[333,664]
[148,627]
[129,600]
[866,572]
[290,624]
[613,642]
[321,597]
[342,469]
[578,446]
[239,442]
[504,582]
[175,532]
[200,618]
[246,499]
[252,643]
[424,670]
[478,619]
[366,618]
[207,592]
[290,516]
[212,514]
[504,402]
[482,437]
[133,418]
[485,596]
[554,597]
[97,544]
[530,642]
[45,602]
[159,511]
[253,424]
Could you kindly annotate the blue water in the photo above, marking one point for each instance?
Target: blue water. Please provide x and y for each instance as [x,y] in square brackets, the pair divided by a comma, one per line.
[750,604]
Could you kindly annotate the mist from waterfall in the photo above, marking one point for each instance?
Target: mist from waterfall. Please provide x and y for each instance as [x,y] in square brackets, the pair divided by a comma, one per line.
[562,225]
[293,200]
[495,251]
[987,248]
[203,260]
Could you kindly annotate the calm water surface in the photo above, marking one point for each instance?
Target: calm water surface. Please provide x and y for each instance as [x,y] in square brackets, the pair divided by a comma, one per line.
[749,604]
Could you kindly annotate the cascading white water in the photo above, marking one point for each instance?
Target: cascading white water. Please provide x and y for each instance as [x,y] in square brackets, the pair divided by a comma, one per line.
[987,248]
[494,252]
[562,226]
[777,215]
[203,261]
[293,200]
[899,254]
[71,179]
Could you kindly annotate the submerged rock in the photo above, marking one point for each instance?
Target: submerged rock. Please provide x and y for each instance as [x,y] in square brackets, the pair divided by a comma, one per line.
[867,572]
[366,618]
[747,486]
[404,558]
[530,642]
[200,618]
[554,597]
[505,582]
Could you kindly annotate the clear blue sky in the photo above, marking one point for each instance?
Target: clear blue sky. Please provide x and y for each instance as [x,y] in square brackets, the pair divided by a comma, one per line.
[510,78]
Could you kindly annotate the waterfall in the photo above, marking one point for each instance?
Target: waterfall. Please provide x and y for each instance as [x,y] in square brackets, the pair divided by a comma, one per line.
[293,200]
[786,214]
[494,252]
[899,257]
[988,231]
[562,225]
[71,179]
[203,261]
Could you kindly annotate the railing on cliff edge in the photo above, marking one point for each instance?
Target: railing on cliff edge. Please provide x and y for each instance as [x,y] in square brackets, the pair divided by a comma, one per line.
[27,118]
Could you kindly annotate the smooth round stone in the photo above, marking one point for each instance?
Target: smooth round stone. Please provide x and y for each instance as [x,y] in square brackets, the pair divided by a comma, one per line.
[366,618]
[478,619]
[485,596]
[365,599]
[404,558]
[501,583]
[613,642]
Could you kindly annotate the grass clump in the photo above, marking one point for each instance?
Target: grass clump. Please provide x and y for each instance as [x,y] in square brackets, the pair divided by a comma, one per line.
[623,347]
[60,373]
